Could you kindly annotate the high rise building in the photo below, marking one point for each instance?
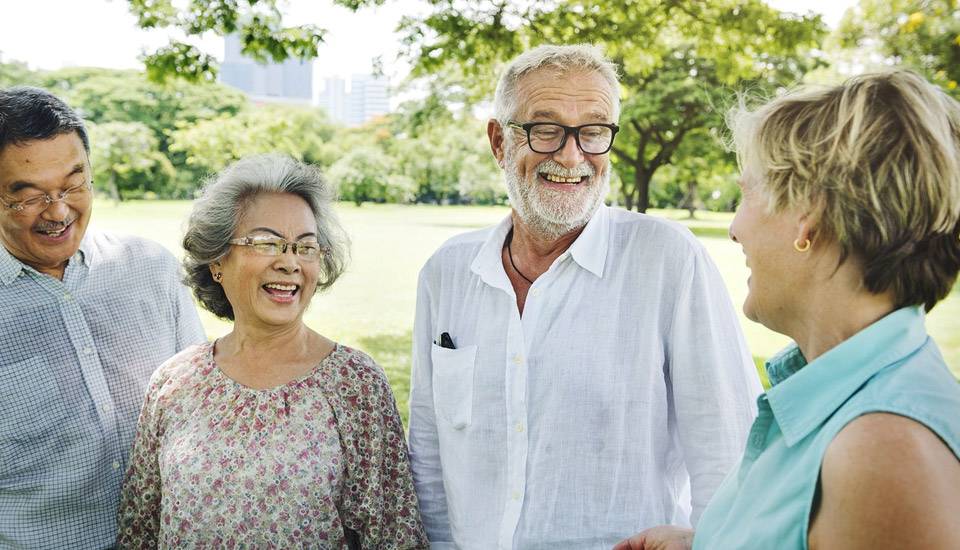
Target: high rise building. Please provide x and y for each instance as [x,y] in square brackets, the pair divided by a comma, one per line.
[287,82]
[367,98]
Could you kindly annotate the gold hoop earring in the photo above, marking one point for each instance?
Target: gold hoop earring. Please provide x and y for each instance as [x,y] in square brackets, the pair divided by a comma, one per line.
[802,247]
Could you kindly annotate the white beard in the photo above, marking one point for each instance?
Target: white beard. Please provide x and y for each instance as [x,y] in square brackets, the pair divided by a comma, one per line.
[550,213]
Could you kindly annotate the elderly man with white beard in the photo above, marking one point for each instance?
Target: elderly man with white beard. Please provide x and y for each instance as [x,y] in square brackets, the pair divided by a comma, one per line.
[579,373]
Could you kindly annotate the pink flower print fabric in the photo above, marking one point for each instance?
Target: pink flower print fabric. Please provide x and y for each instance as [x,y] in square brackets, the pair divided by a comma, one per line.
[320,462]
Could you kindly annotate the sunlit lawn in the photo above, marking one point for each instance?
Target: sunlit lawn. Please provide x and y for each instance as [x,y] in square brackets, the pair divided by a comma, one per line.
[371,306]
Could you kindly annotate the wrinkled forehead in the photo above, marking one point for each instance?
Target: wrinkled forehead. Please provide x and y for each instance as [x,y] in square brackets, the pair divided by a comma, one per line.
[551,94]
[43,163]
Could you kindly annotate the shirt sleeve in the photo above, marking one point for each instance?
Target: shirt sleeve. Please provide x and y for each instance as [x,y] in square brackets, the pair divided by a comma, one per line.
[712,379]
[424,442]
[378,501]
[189,328]
[138,519]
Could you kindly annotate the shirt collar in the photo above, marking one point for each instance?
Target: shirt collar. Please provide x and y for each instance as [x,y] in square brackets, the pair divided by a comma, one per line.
[804,395]
[589,250]
[11,267]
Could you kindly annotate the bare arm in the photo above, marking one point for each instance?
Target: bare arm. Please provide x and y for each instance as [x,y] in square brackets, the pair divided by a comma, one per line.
[887,482]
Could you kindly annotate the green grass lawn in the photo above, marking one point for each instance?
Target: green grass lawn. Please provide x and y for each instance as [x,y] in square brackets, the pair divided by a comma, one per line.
[371,307]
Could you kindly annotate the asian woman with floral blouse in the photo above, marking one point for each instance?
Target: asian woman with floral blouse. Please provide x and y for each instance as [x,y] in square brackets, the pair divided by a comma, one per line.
[272,436]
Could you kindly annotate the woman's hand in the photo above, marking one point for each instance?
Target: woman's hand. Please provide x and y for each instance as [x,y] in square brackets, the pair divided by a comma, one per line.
[664,537]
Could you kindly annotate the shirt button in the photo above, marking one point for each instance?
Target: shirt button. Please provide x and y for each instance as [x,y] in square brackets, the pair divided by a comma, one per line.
[67,296]
[105,409]
[516,495]
[757,440]
[517,359]
[535,292]
[115,465]
[519,426]
[87,351]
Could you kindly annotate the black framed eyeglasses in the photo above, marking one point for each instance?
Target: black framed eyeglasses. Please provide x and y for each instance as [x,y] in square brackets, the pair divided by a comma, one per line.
[275,246]
[549,137]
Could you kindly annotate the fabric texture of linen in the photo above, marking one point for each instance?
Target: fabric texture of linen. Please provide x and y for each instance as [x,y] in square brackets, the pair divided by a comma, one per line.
[625,384]
[892,366]
[75,359]
[219,465]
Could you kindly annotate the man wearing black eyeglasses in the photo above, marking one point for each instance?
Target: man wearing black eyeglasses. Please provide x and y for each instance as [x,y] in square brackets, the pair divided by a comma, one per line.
[85,318]
[578,370]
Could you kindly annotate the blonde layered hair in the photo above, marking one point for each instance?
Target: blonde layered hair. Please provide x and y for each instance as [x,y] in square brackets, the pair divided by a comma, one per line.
[876,161]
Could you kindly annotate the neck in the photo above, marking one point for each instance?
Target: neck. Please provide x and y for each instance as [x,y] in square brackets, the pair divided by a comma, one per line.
[538,247]
[841,309]
[250,340]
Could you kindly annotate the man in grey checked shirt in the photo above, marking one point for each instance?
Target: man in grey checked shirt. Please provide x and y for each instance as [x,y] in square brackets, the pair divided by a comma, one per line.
[84,321]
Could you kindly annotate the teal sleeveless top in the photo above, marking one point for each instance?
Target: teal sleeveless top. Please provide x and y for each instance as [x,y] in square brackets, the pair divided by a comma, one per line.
[891,366]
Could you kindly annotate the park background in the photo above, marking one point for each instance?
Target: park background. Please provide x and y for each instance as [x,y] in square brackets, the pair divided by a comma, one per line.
[161,124]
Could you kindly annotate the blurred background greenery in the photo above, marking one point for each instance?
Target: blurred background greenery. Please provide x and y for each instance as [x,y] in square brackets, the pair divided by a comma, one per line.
[371,307]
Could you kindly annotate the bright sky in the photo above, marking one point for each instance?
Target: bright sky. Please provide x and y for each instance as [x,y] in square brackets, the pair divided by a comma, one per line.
[50,34]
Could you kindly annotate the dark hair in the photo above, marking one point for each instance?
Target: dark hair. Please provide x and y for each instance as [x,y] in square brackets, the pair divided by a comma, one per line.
[28,113]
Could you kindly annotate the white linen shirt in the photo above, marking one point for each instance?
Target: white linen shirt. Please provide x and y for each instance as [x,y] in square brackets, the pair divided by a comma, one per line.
[626,382]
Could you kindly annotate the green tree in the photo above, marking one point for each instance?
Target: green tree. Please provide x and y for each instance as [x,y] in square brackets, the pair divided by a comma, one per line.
[15,73]
[209,145]
[921,34]
[126,160]
[258,23]
[366,174]
[680,61]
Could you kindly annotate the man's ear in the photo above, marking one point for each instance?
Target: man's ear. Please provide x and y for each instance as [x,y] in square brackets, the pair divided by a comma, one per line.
[495,135]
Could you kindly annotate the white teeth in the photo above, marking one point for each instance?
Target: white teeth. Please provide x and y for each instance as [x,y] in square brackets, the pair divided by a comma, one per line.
[278,286]
[560,179]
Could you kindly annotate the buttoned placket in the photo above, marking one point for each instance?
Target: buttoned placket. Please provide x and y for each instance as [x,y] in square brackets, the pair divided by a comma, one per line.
[84,346]
[517,353]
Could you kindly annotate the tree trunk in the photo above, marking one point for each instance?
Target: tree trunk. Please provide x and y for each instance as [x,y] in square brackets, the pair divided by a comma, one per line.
[641,186]
[114,189]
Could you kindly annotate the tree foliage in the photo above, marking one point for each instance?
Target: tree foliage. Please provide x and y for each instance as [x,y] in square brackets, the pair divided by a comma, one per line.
[680,61]
[258,23]
[127,161]
[921,34]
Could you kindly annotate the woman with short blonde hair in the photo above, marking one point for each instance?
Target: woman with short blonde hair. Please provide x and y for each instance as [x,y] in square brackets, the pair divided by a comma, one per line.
[850,222]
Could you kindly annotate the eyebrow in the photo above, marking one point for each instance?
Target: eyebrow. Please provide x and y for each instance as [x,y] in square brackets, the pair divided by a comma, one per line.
[274,232]
[553,115]
[20,185]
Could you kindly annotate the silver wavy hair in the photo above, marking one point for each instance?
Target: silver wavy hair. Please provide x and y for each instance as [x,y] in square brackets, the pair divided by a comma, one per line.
[217,212]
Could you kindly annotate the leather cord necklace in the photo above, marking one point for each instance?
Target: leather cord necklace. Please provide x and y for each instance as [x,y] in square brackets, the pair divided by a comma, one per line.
[510,255]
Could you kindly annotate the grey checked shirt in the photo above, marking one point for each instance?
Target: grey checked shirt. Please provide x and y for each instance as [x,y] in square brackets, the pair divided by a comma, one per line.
[75,359]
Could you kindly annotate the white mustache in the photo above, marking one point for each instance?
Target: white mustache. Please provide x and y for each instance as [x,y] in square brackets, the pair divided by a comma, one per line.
[554,168]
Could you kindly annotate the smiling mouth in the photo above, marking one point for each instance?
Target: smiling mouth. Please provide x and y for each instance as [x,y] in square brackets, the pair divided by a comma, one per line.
[281,290]
[55,233]
[564,180]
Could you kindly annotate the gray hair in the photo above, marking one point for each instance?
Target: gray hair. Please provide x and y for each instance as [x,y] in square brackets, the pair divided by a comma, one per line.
[561,59]
[225,197]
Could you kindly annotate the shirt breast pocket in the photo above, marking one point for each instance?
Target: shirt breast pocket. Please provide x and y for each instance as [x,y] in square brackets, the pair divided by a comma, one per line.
[29,412]
[453,384]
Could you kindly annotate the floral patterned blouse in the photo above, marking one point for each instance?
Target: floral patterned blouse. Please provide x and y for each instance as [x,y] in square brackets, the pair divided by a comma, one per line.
[319,462]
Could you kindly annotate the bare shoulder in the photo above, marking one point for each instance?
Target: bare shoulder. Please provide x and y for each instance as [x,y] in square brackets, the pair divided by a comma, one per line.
[887,481]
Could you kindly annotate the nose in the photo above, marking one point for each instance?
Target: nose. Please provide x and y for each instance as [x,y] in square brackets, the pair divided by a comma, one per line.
[569,156]
[56,211]
[287,262]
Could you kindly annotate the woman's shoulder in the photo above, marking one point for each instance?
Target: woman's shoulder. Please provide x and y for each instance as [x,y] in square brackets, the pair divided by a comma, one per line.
[354,375]
[181,370]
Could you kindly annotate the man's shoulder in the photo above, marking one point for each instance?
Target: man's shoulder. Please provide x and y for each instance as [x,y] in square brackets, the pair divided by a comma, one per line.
[460,249]
[130,250]
[625,222]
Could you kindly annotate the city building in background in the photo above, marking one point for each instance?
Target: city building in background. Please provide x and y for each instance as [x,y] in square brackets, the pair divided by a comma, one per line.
[287,82]
[367,97]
